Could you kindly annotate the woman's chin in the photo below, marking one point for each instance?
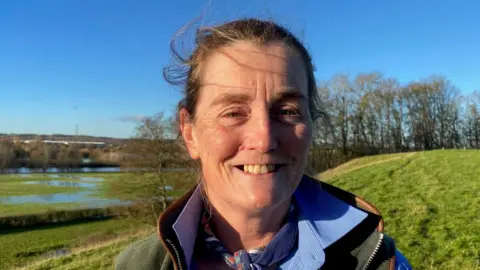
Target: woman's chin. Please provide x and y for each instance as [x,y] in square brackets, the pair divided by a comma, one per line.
[258,200]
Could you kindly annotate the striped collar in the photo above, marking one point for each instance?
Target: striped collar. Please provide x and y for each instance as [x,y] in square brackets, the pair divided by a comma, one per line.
[323,220]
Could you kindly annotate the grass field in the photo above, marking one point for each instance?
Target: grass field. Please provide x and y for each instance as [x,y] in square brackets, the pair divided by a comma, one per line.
[93,245]
[28,208]
[94,257]
[430,202]
[18,189]
[20,247]
[5,178]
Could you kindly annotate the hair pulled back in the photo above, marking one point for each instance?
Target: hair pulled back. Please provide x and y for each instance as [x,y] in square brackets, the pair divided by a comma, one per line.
[210,39]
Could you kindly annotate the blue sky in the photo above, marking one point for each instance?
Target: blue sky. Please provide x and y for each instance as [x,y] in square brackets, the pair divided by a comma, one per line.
[98,64]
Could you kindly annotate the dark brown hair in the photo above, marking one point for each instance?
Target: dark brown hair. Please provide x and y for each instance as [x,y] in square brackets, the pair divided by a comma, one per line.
[210,39]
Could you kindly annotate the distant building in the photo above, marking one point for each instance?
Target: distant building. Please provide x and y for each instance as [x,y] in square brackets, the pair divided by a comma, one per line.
[64,142]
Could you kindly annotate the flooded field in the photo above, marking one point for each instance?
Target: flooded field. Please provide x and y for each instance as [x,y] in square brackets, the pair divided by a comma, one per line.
[26,193]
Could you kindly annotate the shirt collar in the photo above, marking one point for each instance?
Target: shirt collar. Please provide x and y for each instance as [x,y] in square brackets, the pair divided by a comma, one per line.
[323,220]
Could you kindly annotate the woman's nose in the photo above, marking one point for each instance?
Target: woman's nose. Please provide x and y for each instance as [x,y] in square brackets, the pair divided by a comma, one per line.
[261,137]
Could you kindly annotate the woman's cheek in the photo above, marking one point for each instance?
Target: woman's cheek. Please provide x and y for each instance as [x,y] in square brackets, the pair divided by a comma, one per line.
[299,140]
[219,141]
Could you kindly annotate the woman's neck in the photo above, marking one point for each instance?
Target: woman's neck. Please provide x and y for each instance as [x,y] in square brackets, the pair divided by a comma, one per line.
[246,229]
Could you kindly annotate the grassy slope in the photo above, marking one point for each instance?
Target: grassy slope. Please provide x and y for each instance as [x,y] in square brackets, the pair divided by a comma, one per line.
[94,257]
[430,202]
[21,247]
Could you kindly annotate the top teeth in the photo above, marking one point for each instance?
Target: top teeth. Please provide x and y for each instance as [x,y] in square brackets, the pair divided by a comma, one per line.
[258,169]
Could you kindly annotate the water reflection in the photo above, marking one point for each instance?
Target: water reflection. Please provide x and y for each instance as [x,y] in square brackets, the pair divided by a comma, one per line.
[57,183]
[106,169]
[91,179]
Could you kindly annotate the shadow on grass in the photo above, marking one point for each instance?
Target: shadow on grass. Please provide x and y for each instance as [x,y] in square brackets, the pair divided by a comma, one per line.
[53,226]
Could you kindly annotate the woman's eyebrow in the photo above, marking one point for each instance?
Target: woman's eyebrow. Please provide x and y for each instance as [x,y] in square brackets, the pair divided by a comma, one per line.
[236,98]
[291,94]
[231,98]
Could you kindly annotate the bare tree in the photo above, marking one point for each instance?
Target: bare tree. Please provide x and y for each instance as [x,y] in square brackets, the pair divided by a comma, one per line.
[341,106]
[151,153]
[67,157]
[471,120]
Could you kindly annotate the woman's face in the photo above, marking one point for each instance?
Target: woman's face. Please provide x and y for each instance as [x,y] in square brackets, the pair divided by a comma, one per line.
[252,128]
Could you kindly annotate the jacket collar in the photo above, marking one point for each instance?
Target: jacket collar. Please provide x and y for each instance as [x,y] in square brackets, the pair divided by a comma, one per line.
[186,225]
[326,215]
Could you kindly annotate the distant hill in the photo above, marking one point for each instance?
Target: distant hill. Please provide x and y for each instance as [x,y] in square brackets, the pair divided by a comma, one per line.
[430,202]
[63,137]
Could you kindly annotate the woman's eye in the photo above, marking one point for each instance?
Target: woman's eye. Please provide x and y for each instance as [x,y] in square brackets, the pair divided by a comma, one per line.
[288,115]
[234,117]
[232,114]
[289,112]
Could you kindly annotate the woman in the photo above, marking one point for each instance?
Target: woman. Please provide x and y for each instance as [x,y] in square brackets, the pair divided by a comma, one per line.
[247,117]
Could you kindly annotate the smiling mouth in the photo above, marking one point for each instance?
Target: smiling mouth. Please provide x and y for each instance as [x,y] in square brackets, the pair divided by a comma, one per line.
[259,169]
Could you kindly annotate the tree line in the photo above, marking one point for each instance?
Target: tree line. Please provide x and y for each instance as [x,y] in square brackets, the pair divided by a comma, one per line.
[371,114]
[39,155]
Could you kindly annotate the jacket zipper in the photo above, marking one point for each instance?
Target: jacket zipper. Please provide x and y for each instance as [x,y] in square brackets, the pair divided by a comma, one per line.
[374,252]
[177,254]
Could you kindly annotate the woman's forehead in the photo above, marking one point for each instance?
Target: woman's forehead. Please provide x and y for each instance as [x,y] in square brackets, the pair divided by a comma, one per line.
[245,65]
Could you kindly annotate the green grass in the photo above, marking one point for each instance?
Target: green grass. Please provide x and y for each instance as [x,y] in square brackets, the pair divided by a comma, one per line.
[430,202]
[99,257]
[30,208]
[131,186]
[17,189]
[27,247]
[17,177]
[21,247]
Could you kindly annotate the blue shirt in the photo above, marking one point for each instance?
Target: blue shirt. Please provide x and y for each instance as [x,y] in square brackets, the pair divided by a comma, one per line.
[323,219]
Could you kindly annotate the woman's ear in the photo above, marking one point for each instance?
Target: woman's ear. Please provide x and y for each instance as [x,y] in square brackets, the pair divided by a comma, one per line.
[188,133]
